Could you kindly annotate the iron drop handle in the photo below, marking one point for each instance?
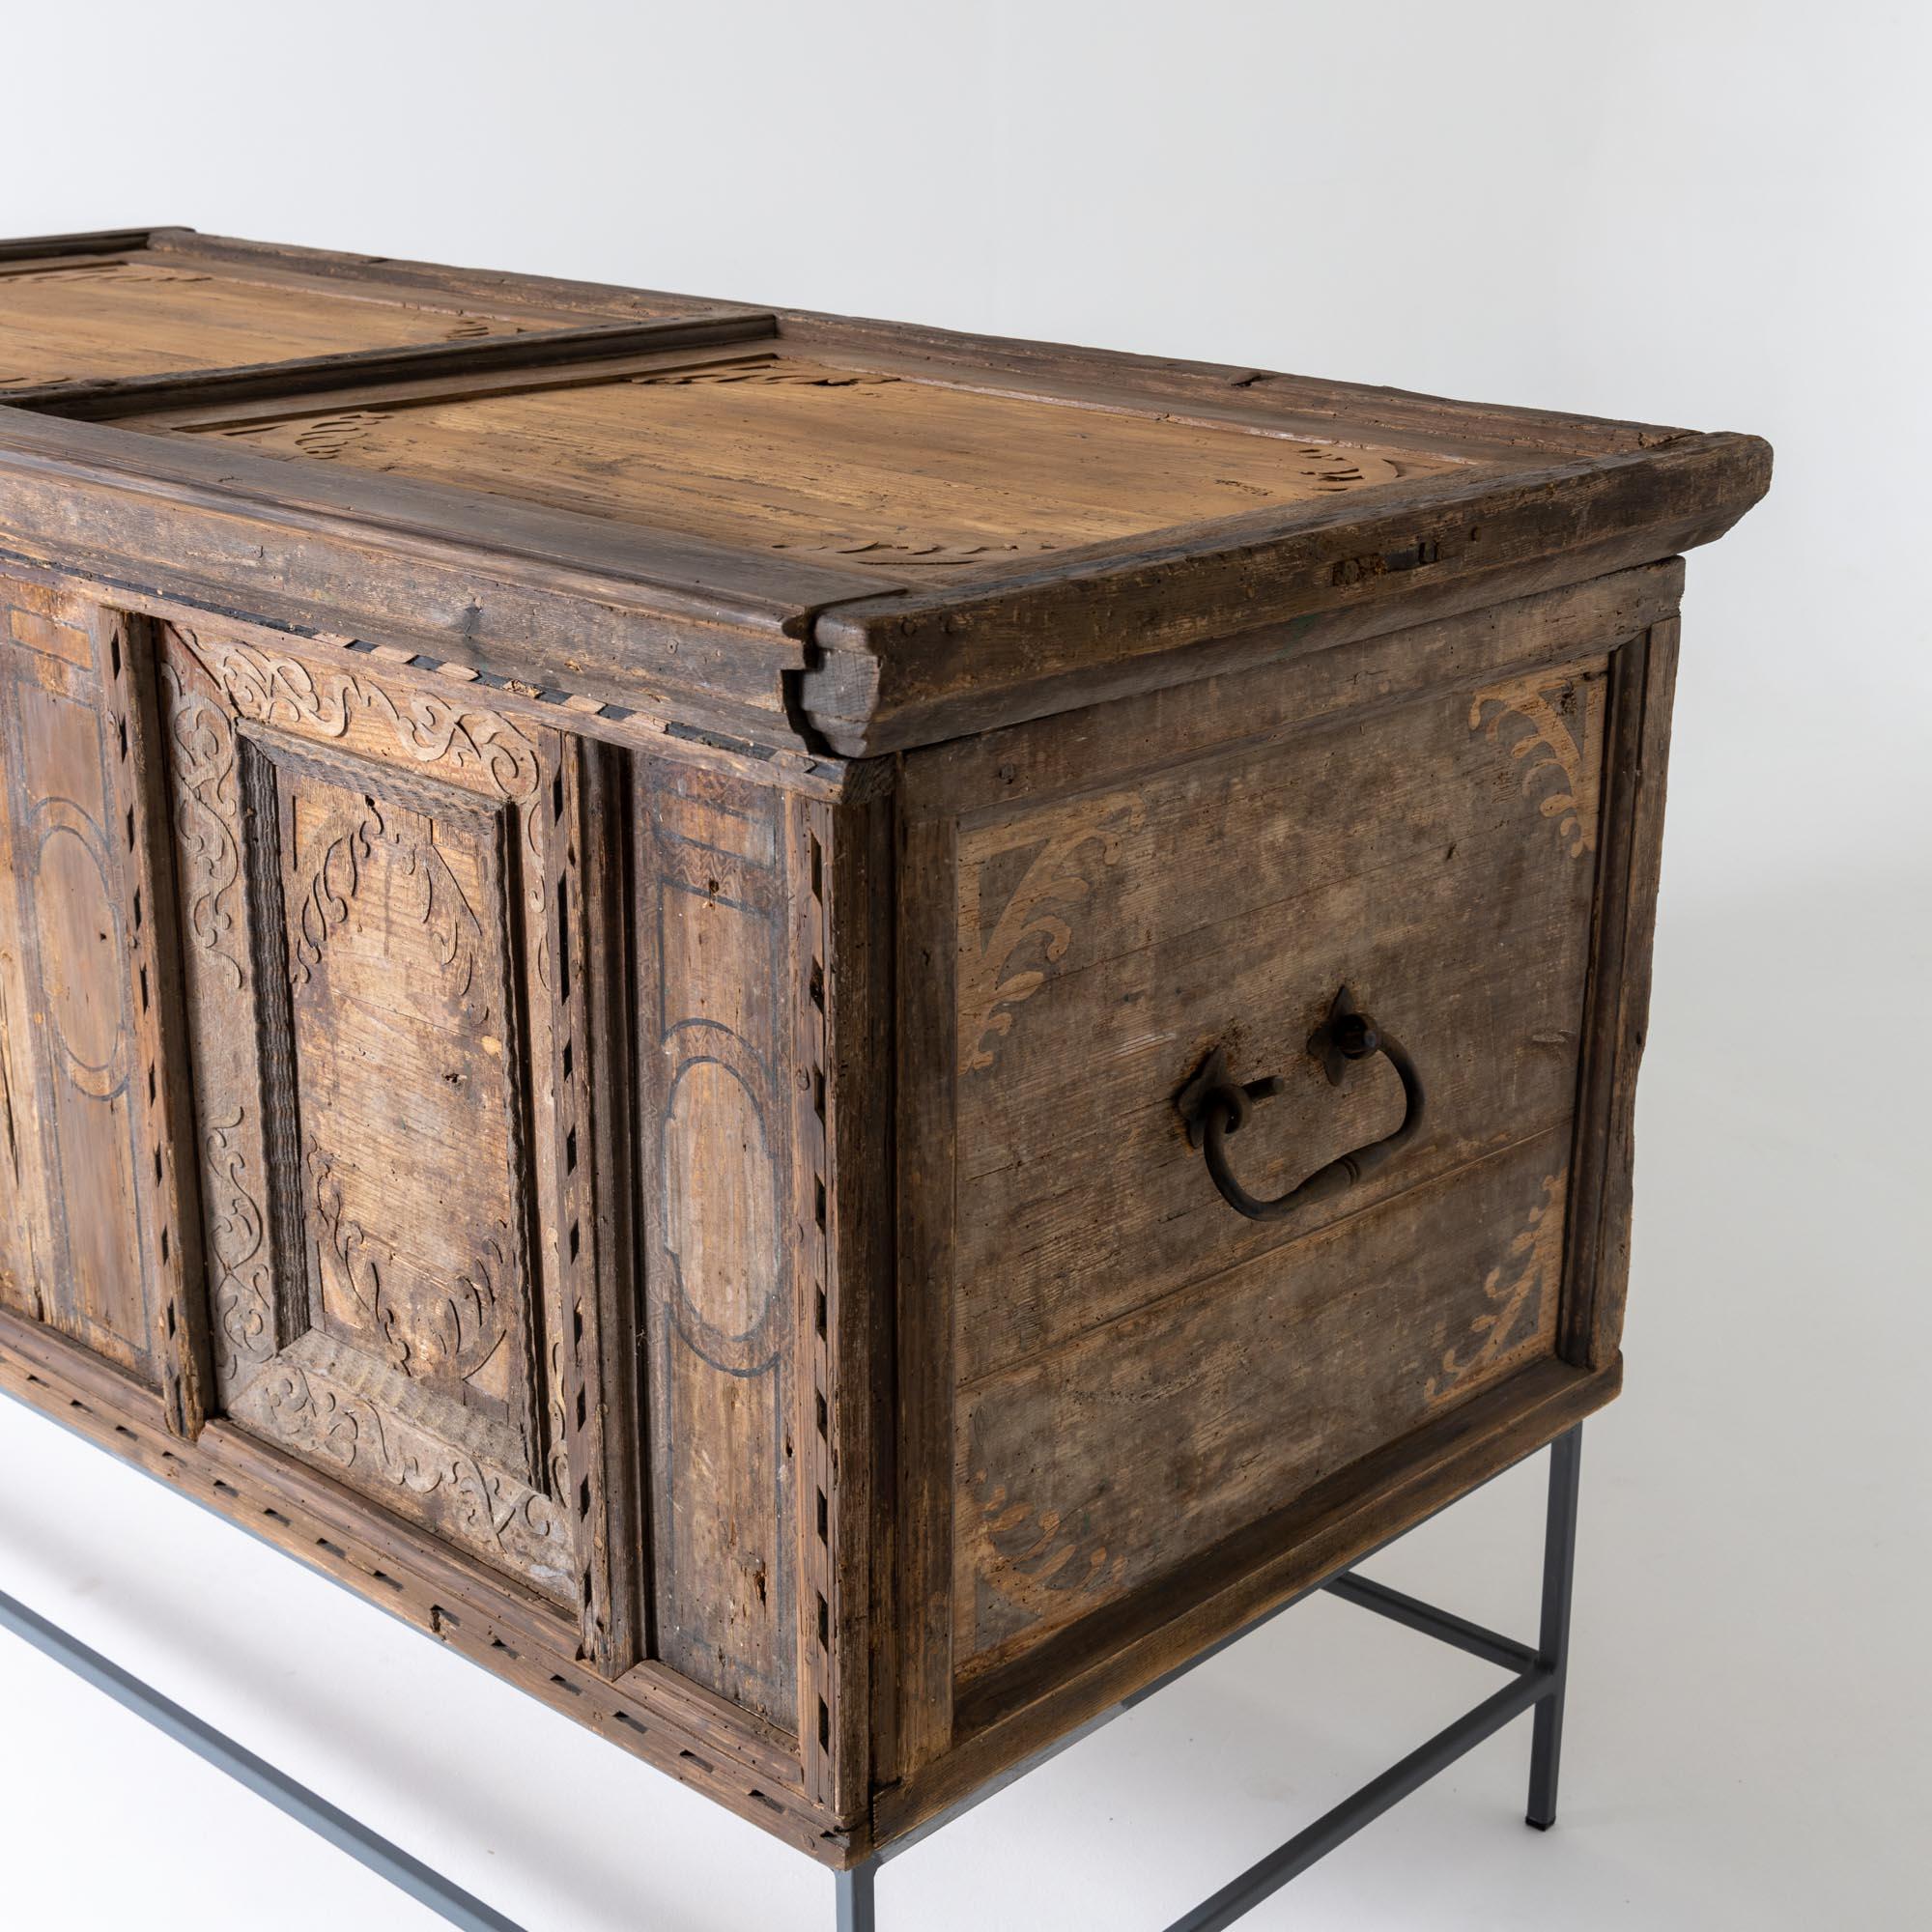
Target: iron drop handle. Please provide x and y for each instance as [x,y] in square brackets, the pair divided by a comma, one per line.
[1215,1105]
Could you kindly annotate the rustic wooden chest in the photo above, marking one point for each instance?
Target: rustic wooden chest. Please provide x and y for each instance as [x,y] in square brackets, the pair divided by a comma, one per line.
[828,1038]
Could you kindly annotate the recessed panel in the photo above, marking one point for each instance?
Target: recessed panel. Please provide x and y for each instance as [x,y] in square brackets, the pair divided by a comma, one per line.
[376,988]
[71,1247]
[716,1166]
[1141,1369]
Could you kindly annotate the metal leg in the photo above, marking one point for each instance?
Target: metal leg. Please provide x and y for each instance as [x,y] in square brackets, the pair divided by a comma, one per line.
[1559,1576]
[1262,1879]
[857,1912]
[408,1874]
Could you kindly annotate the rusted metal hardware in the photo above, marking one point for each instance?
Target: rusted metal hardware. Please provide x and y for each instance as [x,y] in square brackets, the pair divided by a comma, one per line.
[1215,1105]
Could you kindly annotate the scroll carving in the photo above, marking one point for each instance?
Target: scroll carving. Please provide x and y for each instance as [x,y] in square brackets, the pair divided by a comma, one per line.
[269,689]
[486,1507]
[1549,705]
[1517,1292]
[331,872]
[1053,884]
[238,1231]
[429,1327]
[355,924]
[206,815]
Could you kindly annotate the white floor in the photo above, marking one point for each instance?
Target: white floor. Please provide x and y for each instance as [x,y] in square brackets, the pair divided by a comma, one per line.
[1750,1706]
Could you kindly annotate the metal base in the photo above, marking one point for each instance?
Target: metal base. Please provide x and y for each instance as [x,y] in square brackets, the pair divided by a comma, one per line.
[386,1861]
[1537,1682]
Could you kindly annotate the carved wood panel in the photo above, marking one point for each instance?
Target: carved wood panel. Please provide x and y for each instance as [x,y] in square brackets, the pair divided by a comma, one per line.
[716,1137]
[72,1247]
[375,909]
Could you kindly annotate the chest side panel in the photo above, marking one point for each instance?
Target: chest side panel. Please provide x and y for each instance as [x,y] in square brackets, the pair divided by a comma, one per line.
[1139,1378]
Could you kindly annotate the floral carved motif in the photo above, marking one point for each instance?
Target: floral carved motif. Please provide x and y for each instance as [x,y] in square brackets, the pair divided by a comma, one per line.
[1562,716]
[991,984]
[207,810]
[488,1508]
[332,873]
[238,1235]
[1034,1557]
[269,689]
[1517,1292]
[429,1325]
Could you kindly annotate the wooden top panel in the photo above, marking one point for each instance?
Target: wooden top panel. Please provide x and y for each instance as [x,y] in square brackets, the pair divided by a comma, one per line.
[785,452]
[67,322]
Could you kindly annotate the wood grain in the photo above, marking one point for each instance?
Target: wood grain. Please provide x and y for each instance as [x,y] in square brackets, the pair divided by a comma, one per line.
[1051,635]
[716,1135]
[73,320]
[603,901]
[1271,1563]
[778,453]
[75,1121]
[1092,1470]
[1224,901]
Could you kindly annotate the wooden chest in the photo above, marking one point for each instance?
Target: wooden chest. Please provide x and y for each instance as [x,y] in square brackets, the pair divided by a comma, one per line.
[659,962]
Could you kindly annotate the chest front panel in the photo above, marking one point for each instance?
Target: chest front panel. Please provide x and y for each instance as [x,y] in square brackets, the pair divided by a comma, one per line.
[71,1060]
[365,880]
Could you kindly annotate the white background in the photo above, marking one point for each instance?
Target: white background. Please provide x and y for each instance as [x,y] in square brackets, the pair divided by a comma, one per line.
[1681,211]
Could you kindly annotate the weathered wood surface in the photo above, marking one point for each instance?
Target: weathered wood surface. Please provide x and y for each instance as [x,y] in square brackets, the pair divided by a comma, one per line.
[1619,1009]
[71,318]
[475,360]
[956,533]
[781,452]
[372,1002]
[1113,1321]
[1111,619]
[1089,1471]
[70,1043]
[1271,1563]
[468,1608]
[494,1096]
[1109,1378]
[494,288]
[1110,941]
[721,1343]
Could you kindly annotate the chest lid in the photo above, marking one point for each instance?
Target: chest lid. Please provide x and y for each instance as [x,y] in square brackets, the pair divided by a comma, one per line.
[865,536]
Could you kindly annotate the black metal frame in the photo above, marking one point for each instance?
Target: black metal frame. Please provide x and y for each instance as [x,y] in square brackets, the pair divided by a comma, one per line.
[1538,1677]
[1537,1682]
